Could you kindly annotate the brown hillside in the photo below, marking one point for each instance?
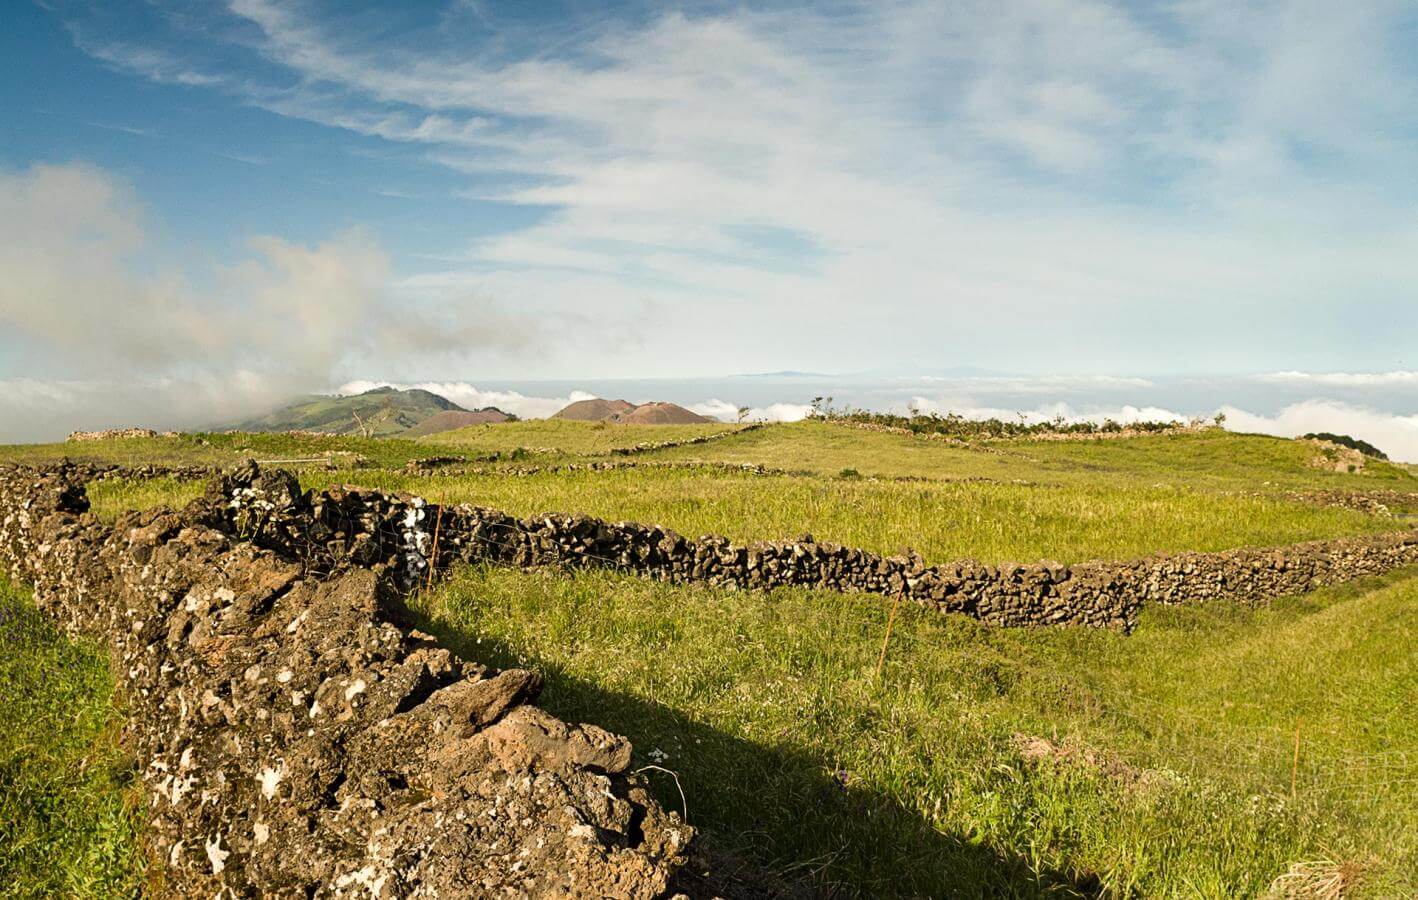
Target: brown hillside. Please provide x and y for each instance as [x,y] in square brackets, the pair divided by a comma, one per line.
[450,419]
[659,414]
[596,410]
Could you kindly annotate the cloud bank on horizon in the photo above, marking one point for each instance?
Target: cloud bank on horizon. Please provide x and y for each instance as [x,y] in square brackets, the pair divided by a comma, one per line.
[225,203]
[1396,434]
[46,410]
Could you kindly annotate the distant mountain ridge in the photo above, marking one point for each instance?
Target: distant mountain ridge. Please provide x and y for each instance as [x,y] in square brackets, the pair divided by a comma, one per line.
[381,412]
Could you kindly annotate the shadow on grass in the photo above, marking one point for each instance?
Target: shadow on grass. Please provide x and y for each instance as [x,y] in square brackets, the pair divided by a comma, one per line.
[776,822]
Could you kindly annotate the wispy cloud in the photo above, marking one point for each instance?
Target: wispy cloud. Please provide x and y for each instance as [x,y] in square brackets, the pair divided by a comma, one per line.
[150,62]
[125,129]
[248,159]
[1072,174]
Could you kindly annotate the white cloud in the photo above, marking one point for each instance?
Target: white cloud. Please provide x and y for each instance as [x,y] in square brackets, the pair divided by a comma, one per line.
[79,280]
[535,407]
[47,410]
[470,396]
[1342,379]
[1071,174]
[118,329]
[1049,412]
[773,412]
[1393,433]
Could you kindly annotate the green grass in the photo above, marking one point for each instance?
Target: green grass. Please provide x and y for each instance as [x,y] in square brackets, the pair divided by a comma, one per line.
[566,437]
[943,520]
[1211,459]
[113,496]
[217,449]
[793,754]
[66,827]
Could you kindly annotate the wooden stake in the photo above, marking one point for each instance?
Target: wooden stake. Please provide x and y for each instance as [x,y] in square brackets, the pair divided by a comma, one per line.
[433,561]
[890,621]
[1295,763]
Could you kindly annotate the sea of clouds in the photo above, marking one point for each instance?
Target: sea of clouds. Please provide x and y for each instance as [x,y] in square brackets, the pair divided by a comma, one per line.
[1381,408]
[1372,406]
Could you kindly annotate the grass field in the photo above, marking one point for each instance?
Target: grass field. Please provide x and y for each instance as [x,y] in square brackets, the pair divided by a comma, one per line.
[1158,764]
[566,437]
[792,753]
[66,827]
[1210,459]
[943,520]
[218,449]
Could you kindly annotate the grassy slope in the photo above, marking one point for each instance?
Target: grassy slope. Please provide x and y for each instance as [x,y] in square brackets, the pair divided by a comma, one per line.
[790,750]
[65,827]
[568,437]
[1212,459]
[217,449]
[379,413]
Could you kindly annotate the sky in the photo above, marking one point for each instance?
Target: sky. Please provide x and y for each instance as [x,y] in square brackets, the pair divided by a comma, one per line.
[208,206]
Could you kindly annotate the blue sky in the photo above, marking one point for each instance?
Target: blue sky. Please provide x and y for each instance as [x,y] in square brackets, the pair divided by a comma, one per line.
[236,199]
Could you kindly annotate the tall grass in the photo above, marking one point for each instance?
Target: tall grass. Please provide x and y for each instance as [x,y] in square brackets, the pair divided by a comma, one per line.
[66,827]
[1210,459]
[565,436]
[221,449]
[944,521]
[793,753]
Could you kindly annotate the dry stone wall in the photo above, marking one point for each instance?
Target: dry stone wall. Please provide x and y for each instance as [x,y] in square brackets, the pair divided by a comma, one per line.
[294,742]
[1378,502]
[117,433]
[397,534]
[651,446]
[416,467]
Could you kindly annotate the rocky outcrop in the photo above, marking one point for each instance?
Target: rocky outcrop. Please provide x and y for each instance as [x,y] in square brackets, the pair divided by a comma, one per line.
[1332,457]
[294,742]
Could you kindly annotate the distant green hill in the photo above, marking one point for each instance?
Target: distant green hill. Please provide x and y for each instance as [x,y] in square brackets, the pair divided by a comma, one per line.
[382,412]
